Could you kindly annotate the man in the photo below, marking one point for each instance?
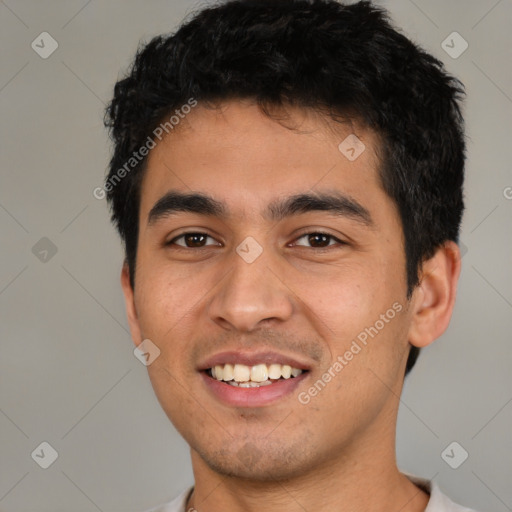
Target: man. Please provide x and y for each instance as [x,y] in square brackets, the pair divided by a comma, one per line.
[287,181]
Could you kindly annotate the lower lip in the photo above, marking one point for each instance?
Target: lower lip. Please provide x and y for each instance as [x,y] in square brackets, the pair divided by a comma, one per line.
[252,397]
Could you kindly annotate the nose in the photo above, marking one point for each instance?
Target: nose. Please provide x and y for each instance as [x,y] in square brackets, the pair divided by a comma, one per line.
[251,295]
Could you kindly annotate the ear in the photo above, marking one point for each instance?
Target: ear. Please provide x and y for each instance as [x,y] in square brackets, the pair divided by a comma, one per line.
[434,298]
[131,311]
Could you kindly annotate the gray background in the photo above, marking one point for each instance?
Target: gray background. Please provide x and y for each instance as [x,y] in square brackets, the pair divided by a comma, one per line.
[68,375]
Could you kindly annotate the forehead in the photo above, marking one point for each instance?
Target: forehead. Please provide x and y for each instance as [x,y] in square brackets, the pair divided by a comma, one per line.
[246,158]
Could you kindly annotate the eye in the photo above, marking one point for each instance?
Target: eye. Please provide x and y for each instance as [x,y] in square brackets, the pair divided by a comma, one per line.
[192,240]
[318,240]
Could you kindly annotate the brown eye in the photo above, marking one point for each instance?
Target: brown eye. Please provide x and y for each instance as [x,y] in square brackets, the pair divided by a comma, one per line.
[191,240]
[318,240]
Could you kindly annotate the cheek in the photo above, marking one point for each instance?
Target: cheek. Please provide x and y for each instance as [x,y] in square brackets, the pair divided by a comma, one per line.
[358,302]
[347,294]
[165,292]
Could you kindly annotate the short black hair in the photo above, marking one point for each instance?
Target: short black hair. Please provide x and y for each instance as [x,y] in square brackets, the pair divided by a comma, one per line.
[346,61]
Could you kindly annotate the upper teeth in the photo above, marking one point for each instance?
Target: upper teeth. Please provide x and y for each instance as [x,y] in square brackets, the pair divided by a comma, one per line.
[257,373]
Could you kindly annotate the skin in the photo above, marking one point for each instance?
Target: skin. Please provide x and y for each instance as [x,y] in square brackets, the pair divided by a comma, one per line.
[304,298]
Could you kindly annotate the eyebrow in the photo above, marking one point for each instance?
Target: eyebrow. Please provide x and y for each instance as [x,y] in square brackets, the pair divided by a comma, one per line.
[341,205]
[336,203]
[174,202]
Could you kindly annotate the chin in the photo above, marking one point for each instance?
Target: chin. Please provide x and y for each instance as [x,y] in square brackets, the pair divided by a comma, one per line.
[260,462]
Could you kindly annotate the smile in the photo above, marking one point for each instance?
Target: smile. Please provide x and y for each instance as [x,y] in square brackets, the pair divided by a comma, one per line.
[253,378]
[243,376]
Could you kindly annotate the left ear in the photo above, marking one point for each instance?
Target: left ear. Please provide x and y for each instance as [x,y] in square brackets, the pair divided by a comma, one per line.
[434,298]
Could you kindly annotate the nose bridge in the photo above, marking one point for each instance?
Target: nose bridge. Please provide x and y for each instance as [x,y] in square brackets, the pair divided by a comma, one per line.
[251,292]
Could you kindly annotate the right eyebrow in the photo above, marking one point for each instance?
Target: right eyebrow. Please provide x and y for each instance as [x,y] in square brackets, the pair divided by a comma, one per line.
[174,202]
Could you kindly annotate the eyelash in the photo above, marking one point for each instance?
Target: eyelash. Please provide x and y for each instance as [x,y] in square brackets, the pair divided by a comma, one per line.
[331,237]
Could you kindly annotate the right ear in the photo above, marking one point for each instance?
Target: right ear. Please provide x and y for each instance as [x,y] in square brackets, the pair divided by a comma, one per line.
[131,311]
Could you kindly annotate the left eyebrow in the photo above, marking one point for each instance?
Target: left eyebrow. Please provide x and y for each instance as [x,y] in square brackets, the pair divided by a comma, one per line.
[339,204]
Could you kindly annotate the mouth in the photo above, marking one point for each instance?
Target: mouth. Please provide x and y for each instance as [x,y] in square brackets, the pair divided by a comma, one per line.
[252,380]
[244,376]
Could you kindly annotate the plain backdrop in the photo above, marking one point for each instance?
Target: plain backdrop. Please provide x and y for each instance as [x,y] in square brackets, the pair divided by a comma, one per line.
[68,375]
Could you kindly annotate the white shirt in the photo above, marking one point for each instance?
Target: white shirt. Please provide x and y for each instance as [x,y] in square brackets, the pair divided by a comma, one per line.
[438,502]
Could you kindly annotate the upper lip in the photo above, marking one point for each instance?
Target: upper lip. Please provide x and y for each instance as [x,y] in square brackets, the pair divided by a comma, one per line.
[252,359]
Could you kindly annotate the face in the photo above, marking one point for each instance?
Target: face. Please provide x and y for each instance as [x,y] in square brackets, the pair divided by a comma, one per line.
[284,276]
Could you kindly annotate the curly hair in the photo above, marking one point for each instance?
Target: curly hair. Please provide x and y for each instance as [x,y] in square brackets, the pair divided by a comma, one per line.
[346,61]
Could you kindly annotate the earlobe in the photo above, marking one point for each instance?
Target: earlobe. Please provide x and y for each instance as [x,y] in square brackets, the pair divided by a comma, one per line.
[131,311]
[434,298]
